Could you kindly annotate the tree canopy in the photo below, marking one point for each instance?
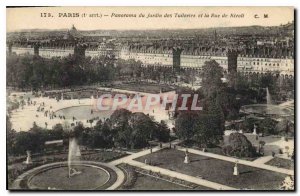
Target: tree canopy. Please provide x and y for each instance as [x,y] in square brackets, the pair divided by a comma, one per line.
[239,146]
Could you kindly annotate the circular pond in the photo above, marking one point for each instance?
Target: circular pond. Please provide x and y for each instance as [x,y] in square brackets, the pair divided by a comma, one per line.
[267,109]
[55,176]
[83,112]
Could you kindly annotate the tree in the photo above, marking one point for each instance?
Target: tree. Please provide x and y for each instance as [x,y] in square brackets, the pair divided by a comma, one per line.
[239,146]
[205,127]
[215,109]
[33,140]
[185,124]
[268,81]
[10,137]
[190,76]
[56,133]
[217,93]
[211,78]
[129,68]
[208,131]
[100,136]
[38,136]
[267,126]
[120,117]
[74,131]
[285,127]
[242,82]
[248,124]
[35,72]
[141,127]
[226,99]
[23,142]
[162,132]
[132,130]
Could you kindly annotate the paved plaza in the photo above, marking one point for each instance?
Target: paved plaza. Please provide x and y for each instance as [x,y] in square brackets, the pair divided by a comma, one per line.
[23,118]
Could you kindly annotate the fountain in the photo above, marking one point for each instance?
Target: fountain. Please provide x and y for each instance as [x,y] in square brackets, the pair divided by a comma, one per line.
[73,156]
[65,175]
[269,100]
[270,109]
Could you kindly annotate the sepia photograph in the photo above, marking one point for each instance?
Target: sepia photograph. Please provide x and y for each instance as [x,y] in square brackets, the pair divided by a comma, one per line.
[150,98]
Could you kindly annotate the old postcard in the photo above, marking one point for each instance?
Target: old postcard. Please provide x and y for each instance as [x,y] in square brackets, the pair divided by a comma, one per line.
[150,98]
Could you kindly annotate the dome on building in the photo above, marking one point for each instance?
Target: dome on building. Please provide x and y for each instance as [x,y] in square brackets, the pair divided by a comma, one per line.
[73,33]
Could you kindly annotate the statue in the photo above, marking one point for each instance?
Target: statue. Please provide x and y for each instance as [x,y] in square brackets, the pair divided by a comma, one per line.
[186,158]
[254,130]
[235,169]
[73,172]
[28,159]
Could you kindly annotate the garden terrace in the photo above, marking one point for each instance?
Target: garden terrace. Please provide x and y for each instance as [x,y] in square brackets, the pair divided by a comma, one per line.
[282,163]
[215,170]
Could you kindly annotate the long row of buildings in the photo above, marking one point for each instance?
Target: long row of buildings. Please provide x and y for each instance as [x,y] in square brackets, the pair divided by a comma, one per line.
[195,58]
[259,59]
[166,57]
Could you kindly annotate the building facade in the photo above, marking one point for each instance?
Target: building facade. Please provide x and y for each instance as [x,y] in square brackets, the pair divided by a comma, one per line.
[263,56]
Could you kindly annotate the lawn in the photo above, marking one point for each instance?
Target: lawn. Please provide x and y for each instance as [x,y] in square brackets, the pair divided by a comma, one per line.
[216,170]
[140,179]
[218,150]
[144,182]
[268,149]
[282,163]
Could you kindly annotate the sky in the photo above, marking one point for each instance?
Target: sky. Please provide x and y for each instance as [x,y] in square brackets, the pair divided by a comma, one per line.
[31,18]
